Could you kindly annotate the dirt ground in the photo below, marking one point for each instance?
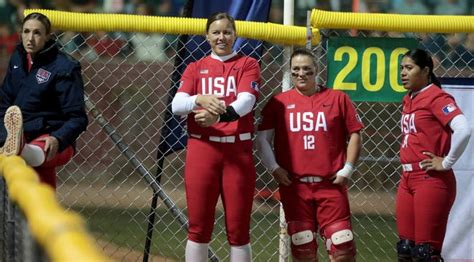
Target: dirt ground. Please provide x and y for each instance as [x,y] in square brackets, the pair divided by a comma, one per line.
[379,203]
[140,197]
[126,255]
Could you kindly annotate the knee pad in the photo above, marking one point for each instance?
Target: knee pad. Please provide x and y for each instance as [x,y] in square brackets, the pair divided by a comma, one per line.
[425,253]
[339,239]
[404,249]
[303,244]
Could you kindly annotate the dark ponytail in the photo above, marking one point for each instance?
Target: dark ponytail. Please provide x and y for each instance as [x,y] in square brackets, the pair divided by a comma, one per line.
[423,59]
[434,79]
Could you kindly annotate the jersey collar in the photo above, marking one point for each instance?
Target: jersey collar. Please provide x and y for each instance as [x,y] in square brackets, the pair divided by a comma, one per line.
[413,94]
[223,58]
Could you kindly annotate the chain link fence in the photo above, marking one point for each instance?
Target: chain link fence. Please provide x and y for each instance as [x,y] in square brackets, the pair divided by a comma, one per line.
[112,179]
[16,242]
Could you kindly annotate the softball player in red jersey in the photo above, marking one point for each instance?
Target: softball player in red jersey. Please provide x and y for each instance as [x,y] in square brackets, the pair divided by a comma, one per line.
[312,160]
[219,92]
[434,135]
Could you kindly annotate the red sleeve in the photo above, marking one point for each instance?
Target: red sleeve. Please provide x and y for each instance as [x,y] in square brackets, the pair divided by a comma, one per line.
[186,84]
[352,119]
[250,81]
[268,118]
[444,108]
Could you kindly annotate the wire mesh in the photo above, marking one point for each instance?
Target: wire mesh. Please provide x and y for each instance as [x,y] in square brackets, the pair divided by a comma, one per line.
[16,241]
[127,79]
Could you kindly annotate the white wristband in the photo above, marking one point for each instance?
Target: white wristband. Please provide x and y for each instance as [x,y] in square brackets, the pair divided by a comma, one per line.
[273,168]
[447,163]
[346,171]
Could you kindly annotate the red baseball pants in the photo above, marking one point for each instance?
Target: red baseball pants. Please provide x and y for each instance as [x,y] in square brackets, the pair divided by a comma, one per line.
[214,169]
[47,171]
[423,204]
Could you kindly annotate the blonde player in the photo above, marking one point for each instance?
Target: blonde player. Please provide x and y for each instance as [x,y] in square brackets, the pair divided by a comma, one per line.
[218,94]
[315,134]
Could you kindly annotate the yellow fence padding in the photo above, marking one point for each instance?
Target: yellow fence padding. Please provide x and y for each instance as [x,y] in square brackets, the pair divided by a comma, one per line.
[392,22]
[62,234]
[85,22]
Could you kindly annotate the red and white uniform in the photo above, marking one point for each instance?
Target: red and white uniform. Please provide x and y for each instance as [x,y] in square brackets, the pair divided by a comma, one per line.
[311,132]
[220,168]
[424,124]
[424,198]
[310,139]
[226,80]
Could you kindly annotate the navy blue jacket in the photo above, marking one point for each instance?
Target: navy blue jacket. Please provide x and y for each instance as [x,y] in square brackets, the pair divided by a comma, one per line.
[50,96]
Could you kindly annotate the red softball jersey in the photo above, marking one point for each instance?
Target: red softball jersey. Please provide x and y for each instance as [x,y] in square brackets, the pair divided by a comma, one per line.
[225,79]
[311,132]
[424,123]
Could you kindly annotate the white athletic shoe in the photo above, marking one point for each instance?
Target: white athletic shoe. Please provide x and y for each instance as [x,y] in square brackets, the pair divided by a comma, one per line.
[14,125]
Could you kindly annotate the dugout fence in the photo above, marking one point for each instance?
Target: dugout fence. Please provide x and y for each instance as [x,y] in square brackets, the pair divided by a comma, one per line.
[16,242]
[34,227]
[127,79]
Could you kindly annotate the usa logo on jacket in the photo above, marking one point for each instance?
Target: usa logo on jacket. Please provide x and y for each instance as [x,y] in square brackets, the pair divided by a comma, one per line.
[42,76]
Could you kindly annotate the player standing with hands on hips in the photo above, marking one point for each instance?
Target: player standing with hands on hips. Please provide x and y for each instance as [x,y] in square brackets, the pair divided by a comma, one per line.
[435,133]
[218,93]
[315,134]
[41,101]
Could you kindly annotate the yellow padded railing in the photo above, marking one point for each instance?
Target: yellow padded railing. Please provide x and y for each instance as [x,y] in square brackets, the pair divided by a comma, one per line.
[392,22]
[61,233]
[85,22]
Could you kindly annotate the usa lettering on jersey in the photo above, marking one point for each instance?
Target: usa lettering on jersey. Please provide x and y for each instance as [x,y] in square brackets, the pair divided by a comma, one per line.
[408,127]
[219,86]
[307,121]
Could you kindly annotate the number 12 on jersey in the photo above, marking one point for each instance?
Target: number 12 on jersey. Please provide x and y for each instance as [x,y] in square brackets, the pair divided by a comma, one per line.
[308,142]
